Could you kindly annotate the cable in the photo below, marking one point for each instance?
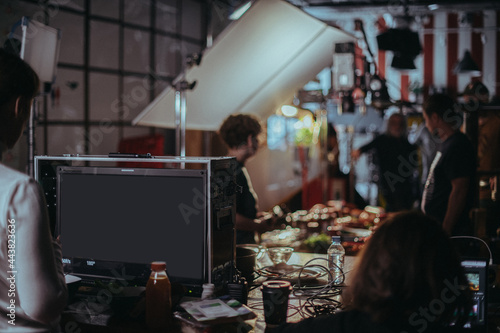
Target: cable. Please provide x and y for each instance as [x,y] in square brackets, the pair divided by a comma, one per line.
[479,239]
[313,300]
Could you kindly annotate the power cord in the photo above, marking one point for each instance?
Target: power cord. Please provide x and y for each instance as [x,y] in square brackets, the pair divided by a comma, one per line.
[313,300]
[479,239]
[323,299]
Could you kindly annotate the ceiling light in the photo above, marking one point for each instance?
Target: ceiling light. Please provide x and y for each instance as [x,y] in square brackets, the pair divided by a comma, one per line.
[235,15]
[433,6]
[289,110]
[467,65]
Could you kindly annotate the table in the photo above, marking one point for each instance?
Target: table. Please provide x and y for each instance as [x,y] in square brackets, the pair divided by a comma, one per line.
[93,323]
[255,296]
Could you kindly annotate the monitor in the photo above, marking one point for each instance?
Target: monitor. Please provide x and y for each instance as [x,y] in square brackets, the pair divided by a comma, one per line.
[114,222]
[476,272]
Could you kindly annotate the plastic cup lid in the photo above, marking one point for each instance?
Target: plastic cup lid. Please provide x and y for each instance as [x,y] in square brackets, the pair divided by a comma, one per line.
[276,284]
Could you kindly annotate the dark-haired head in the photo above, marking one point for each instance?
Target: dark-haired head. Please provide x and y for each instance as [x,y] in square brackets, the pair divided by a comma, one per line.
[445,109]
[478,91]
[407,264]
[440,104]
[19,84]
[236,128]
[396,125]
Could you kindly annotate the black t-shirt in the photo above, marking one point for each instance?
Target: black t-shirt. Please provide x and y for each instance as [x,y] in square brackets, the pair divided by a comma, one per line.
[354,321]
[455,158]
[246,204]
[397,160]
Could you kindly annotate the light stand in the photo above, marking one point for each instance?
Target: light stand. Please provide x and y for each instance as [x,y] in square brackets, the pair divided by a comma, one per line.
[180,105]
[40,49]
[180,116]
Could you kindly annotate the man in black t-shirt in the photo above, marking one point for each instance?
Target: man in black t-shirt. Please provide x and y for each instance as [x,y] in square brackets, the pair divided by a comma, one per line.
[448,191]
[396,160]
[240,133]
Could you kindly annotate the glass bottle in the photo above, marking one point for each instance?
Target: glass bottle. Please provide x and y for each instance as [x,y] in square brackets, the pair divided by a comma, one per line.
[336,256]
[158,297]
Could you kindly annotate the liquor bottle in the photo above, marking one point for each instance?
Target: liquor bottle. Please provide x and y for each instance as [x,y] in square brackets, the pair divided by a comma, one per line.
[158,297]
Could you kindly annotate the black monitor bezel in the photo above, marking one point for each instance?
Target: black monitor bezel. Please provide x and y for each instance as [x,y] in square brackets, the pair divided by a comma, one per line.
[479,266]
[92,269]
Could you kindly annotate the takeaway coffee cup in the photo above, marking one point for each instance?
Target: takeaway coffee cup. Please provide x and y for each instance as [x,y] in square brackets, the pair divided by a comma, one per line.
[275,299]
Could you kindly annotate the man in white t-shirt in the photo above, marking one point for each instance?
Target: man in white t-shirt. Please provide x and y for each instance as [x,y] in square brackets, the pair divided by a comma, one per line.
[33,292]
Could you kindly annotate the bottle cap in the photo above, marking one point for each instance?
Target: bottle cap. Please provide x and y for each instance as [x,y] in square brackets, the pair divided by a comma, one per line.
[158,266]
[335,238]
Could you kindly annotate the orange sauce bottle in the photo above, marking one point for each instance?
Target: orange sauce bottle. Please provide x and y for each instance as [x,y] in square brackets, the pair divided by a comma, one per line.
[158,297]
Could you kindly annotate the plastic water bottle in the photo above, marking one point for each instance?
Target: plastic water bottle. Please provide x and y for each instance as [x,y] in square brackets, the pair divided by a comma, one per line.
[336,255]
[208,291]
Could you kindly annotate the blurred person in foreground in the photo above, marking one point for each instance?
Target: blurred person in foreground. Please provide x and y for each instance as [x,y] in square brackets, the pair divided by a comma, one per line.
[240,133]
[396,160]
[407,270]
[31,274]
[448,192]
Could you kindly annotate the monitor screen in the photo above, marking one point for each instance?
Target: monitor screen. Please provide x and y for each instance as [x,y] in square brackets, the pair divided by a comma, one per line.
[112,219]
[476,272]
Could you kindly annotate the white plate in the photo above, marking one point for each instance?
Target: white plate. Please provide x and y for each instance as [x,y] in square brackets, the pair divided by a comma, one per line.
[358,231]
[71,278]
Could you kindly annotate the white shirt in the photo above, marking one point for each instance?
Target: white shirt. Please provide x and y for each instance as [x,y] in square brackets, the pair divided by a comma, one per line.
[32,288]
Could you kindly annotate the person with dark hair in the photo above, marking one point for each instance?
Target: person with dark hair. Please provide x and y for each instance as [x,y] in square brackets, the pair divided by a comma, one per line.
[396,160]
[407,269]
[31,276]
[475,94]
[240,133]
[448,191]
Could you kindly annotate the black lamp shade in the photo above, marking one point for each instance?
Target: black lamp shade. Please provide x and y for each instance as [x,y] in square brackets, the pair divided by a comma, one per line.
[405,45]
[467,65]
[403,41]
[403,62]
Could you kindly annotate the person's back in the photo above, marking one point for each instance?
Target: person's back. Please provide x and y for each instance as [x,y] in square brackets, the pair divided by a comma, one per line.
[31,274]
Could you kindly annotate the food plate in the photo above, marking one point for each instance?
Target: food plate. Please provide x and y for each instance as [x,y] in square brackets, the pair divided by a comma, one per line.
[293,273]
[357,231]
